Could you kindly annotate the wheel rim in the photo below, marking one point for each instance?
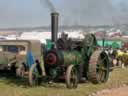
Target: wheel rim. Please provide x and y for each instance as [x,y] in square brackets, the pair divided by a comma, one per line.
[20,71]
[34,75]
[71,77]
[89,40]
[102,68]
[98,67]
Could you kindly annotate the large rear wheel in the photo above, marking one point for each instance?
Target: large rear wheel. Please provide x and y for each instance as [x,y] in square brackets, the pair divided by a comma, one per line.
[89,40]
[98,67]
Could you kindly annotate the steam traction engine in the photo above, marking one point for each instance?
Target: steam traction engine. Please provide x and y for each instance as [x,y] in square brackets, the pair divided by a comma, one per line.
[75,60]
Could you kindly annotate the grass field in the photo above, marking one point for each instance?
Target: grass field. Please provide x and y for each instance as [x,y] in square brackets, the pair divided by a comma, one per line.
[10,86]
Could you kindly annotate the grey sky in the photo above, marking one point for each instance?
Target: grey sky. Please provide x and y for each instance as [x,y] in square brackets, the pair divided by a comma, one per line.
[23,13]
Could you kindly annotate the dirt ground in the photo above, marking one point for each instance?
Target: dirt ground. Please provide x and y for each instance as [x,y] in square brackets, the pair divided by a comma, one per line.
[123,91]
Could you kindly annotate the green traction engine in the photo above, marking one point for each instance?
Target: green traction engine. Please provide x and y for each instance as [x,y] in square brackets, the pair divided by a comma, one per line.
[74,60]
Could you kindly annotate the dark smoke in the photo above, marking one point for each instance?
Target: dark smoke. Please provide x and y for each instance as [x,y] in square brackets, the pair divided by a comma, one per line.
[88,12]
[93,12]
[72,12]
[48,4]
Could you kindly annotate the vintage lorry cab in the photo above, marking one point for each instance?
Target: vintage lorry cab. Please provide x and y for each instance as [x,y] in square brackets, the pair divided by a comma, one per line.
[19,56]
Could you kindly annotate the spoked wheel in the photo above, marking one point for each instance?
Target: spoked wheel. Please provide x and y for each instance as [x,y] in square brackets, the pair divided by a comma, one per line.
[111,65]
[20,71]
[35,75]
[71,77]
[98,67]
[89,40]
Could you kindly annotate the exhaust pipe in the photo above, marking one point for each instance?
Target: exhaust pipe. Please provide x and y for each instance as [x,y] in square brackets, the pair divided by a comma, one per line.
[54,28]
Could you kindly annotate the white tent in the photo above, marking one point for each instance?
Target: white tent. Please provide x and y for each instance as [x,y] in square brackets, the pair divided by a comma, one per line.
[42,36]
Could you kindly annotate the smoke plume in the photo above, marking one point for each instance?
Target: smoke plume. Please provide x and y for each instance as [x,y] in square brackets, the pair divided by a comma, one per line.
[20,13]
[93,12]
[48,4]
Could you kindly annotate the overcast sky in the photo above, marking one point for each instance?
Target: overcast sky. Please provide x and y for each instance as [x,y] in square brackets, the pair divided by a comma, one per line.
[25,13]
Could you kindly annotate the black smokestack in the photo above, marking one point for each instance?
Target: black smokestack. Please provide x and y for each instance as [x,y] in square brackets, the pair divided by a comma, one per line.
[54,28]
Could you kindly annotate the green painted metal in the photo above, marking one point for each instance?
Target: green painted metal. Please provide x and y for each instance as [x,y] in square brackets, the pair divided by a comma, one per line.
[72,57]
[48,44]
[54,72]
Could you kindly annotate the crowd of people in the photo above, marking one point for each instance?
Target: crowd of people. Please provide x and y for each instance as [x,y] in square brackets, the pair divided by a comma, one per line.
[118,56]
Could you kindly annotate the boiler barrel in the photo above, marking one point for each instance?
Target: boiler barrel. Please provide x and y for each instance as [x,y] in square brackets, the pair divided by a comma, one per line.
[55,58]
[73,57]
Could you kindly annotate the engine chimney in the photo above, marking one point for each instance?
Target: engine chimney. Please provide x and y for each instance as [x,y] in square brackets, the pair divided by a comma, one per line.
[54,28]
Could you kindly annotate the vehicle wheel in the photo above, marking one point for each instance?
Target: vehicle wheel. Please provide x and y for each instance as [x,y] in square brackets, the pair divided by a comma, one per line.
[13,68]
[20,71]
[98,67]
[35,75]
[71,77]
[111,65]
[89,40]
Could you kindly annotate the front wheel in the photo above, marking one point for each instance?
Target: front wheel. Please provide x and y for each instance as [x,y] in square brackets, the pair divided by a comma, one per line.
[35,75]
[71,77]
[20,71]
